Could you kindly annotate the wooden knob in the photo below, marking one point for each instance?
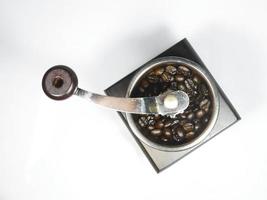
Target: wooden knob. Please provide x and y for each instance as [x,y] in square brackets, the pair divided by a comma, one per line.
[59,82]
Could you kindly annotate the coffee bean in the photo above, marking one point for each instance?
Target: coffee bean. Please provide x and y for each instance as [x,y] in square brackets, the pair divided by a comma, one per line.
[151,120]
[203,90]
[181,87]
[196,79]
[141,89]
[183,70]
[149,117]
[182,122]
[190,116]
[197,126]
[144,83]
[156,132]
[157,116]
[183,116]
[167,132]
[173,86]
[206,120]
[164,139]
[150,127]
[176,121]
[190,84]
[196,121]
[204,105]
[200,114]
[171,69]
[178,135]
[166,77]
[190,135]
[180,132]
[188,127]
[179,78]
[176,138]
[153,78]
[168,123]
[142,121]
[159,71]
[159,125]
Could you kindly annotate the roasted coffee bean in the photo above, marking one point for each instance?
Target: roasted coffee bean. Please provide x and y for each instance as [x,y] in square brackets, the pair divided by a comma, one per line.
[183,70]
[143,121]
[159,71]
[195,93]
[180,133]
[167,132]
[144,83]
[183,116]
[168,123]
[173,86]
[141,89]
[166,77]
[197,126]
[149,117]
[159,125]
[204,105]
[203,90]
[196,79]
[164,139]
[188,127]
[153,78]
[171,69]
[198,98]
[205,120]
[176,138]
[190,135]
[196,121]
[150,127]
[190,84]
[157,116]
[175,121]
[190,116]
[156,132]
[200,114]
[195,109]
[179,78]
[151,120]
[181,87]
[182,122]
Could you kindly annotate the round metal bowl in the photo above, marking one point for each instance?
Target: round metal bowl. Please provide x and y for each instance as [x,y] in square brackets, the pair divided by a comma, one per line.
[194,67]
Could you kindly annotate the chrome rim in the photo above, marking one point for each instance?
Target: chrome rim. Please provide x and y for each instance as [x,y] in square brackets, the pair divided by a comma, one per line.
[193,66]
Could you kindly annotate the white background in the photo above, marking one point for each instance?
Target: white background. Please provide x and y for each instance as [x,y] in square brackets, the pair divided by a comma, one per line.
[74,150]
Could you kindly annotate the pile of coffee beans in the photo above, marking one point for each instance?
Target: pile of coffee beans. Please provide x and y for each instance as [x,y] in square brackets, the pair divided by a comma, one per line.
[186,126]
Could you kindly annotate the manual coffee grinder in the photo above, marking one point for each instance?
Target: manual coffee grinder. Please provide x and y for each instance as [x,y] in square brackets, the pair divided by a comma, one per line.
[171,104]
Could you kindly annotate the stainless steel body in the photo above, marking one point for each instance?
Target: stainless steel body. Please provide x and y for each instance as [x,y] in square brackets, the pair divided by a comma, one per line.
[192,65]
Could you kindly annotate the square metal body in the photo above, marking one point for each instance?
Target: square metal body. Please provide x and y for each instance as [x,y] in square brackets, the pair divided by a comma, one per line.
[227,116]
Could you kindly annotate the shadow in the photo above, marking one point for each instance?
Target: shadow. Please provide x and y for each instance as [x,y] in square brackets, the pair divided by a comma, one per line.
[237,62]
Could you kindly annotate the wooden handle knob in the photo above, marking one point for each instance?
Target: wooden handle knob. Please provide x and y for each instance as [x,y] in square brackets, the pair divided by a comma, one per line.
[59,82]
